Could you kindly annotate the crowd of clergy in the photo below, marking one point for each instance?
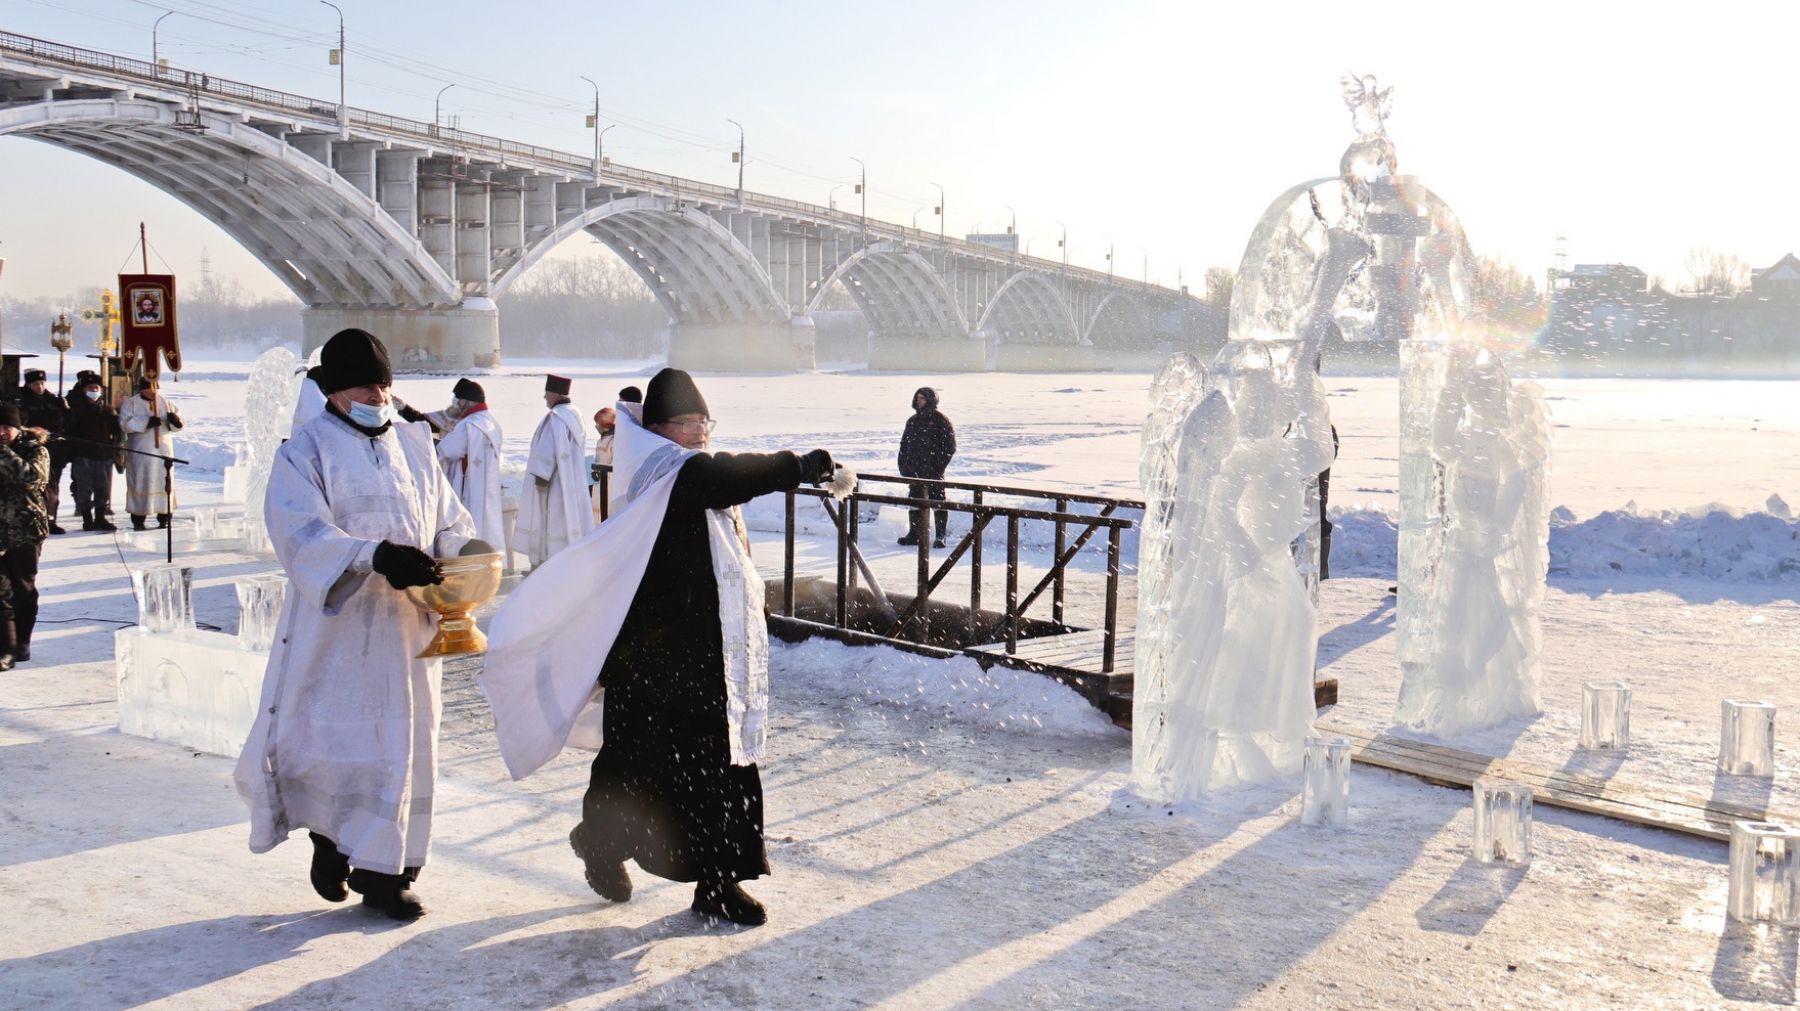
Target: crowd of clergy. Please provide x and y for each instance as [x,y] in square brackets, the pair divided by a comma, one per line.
[637,632]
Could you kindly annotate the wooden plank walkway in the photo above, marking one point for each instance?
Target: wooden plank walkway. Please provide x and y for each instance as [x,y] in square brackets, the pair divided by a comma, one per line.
[1074,652]
[1611,797]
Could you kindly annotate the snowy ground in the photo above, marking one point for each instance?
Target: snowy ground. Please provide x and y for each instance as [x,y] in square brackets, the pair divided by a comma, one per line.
[943,837]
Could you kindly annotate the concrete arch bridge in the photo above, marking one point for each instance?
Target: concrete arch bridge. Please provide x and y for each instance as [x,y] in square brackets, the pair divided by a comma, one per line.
[416,232]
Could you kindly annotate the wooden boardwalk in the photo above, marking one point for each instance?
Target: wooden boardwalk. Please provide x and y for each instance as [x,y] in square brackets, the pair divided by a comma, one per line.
[1611,797]
[1075,652]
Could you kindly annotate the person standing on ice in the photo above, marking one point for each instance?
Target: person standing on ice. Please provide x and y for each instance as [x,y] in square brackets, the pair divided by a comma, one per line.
[926,446]
[345,739]
[46,412]
[554,510]
[682,694]
[150,423]
[24,471]
[470,452]
[93,431]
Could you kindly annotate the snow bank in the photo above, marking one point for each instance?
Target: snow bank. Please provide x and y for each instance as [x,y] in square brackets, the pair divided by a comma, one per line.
[947,691]
[1711,542]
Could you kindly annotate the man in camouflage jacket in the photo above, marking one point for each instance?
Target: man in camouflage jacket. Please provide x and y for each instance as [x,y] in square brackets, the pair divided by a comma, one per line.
[24,523]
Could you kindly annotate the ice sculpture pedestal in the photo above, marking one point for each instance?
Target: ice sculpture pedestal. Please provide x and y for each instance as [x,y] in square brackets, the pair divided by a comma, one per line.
[1502,821]
[197,689]
[237,483]
[1747,738]
[1764,872]
[1325,797]
[1605,715]
[226,534]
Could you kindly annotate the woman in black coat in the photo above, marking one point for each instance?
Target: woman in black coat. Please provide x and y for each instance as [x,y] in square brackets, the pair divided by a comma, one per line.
[663,790]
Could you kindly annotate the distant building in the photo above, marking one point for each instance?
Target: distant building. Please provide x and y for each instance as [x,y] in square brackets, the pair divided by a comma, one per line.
[1606,314]
[1779,281]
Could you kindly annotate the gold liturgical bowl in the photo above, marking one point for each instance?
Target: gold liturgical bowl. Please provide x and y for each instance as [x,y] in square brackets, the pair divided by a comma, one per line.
[469,582]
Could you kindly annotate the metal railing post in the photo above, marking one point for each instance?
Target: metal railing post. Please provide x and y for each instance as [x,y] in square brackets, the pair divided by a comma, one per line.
[1056,591]
[975,562]
[787,584]
[1012,584]
[922,600]
[843,568]
[1110,649]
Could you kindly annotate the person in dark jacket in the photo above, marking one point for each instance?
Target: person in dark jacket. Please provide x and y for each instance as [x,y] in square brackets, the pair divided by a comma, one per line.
[926,447]
[664,790]
[93,430]
[45,411]
[24,470]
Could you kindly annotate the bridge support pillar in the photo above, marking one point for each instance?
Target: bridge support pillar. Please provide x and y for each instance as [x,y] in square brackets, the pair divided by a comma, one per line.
[1050,358]
[467,336]
[927,354]
[743,347]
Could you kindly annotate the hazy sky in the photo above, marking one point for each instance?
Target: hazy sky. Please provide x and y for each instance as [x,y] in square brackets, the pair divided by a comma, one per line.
[1162,128]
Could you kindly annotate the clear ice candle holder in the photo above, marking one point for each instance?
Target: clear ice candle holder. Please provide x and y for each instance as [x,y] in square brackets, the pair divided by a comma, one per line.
[165,597]
[206,523]
[259,610]
[1605,715]
[1763,873]
[1502,821]
[1747,738]
[1325,796]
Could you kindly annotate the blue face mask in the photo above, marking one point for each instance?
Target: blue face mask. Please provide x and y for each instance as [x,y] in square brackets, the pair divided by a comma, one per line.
[370,416]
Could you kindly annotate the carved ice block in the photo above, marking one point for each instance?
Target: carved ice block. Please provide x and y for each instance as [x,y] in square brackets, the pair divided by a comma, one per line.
[165,597]
[1605,715]
[198,689]
[1502,821]
[1764,871]
[236,485]
[1747,738]
[206,522]
[259,609]
[1325,798]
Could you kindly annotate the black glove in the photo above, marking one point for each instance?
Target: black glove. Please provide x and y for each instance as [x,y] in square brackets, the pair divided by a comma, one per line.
[816,467]
[477,546]
[405,565]
[153,422]
[174,421]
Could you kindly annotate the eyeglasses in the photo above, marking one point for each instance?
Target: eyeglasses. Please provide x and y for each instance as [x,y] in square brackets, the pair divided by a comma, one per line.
[705,423]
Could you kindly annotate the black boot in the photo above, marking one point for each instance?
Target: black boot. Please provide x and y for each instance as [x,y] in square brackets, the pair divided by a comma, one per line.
[388,893]
[103,524]
[725,900]
[22,652]
[330,869]
[54,529]
[137,522]
[87,520]
[607,878]
[162,521]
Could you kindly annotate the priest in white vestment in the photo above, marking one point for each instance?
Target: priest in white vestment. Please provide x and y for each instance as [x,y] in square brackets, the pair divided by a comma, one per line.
[149,422]
[554,508]
[345,738]
[470,451]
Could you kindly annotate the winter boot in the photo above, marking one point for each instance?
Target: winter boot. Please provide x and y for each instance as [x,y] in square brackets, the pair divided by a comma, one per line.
[22,652]
[607,878]
[719,899]
[137,521]
[330,869]
[388,893]
[87,520]
[162,521]
[102,522]
[54,529]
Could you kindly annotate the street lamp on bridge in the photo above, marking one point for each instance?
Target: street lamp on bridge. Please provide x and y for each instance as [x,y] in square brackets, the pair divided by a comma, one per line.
[437,108]
[593,123]
[738,156]
[940,213]
[338,57]
[862,187]
[155,54]
[831,197]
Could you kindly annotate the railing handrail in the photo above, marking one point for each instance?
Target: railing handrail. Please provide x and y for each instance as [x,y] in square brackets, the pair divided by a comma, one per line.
[562,161]
[1002,511]
[995,489]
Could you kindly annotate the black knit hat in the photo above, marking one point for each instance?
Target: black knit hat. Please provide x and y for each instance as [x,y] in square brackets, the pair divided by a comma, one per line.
[143,383]
[354,358]
[35,376]
[470,390]
[87,376]
[672,392]
[631,395]
[558,385]
[10,416]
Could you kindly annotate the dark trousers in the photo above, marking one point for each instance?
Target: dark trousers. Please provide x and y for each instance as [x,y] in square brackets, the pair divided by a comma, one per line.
[93,486]
[919,520]
[18,596]
[53,490]
[1324,526]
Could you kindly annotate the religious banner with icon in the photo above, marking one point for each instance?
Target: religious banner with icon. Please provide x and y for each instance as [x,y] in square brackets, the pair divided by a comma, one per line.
[147,311]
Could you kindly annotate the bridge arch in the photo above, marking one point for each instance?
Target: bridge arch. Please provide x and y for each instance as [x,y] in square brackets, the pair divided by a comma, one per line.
[899,291]
[1030,308]
[1117,302]
[329,242]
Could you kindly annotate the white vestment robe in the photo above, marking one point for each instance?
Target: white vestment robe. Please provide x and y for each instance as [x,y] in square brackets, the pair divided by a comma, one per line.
[470,452]
[145,491]
[553,515]
[345,739]
[309,405]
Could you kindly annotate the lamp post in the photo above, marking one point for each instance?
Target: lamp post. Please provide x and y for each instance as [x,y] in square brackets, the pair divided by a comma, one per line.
[594,124]
[600,146]
[915,223]
[831,197]
[1063,244]
[862,187]
[940,213]
[60,339]
[739,158]
[1013,230]
[155,53]
[1109,259]
[339,57]
[437,108]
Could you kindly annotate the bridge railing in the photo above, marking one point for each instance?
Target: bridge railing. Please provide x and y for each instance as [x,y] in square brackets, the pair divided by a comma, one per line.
[508,151]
